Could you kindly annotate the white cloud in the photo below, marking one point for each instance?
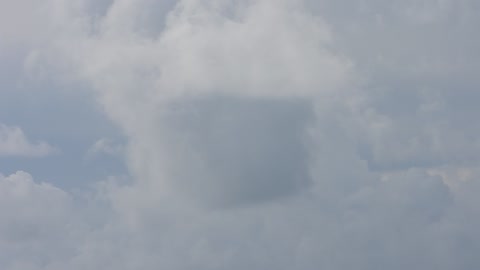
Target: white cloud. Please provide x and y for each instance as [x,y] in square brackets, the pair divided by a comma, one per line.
[36,225]
[14,143]
[407,219]
[216,72]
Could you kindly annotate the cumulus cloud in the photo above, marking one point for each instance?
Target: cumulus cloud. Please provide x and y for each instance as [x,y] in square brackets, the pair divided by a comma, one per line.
[269,135]
[407,219]
[14,143]
[35,225]
[218,103]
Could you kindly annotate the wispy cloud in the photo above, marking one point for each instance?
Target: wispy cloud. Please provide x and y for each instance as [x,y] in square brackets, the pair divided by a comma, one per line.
[14,143]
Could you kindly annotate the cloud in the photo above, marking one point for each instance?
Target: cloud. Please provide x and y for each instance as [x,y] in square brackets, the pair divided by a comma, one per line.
[390,223]
[105,146]
[33,216]
[239,77]
[265,135]
[229,150]
[14,143]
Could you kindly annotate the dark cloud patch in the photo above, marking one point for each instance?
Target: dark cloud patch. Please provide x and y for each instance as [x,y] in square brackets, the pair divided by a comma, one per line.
[234,150]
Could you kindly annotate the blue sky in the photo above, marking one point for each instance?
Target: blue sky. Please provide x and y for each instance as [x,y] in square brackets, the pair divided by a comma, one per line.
[69,120]
[225,134]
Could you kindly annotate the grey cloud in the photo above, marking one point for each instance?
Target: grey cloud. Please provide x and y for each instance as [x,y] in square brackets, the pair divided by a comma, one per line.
[270,135]
[231,150]
[423,128]
[417,60]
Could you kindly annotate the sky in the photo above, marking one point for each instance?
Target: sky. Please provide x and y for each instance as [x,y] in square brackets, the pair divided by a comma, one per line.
[239,134]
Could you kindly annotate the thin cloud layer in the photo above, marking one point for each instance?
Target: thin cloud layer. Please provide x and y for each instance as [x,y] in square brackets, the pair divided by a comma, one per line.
[262,135]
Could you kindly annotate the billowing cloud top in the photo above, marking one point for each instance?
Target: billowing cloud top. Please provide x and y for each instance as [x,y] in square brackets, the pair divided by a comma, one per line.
[287,134]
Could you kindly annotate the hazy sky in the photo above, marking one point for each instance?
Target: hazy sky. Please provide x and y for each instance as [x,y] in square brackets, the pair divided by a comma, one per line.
[228,134]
